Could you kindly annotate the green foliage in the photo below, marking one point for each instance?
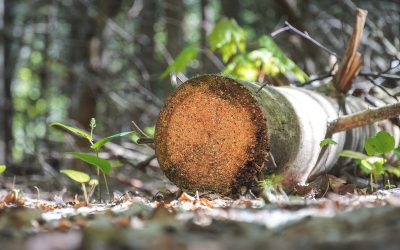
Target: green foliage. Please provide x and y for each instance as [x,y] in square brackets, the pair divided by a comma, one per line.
[372,164]
[353,154]
[2,168]
[327,141]
[182,60]
[381,143]
[227,38]
[95,160]
[74,130]
[272,181]
[104,165]
[150,130]
[97,146]
[77,176]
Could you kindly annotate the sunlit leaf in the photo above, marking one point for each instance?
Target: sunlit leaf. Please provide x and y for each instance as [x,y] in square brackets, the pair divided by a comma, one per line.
[381,143]
[93,182]
[227,38]
[150,130]
[104,165]
[242,68]
[353,154]
[77,176]
[2,168]
[327,141]
[394,170]
[135,137]
[280,60]
[182,60]
[366,166]
[73,130]
[103,141]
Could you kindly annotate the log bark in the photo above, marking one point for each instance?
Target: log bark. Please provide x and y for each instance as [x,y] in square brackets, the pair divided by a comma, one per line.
[219,134]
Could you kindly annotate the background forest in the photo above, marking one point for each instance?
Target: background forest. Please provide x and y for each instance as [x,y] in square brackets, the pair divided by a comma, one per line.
[71,60]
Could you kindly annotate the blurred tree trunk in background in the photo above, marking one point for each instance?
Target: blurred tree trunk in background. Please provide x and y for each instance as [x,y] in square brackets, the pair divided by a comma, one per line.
[147,64]
[86,57]
[174,13]
[231,9]
[7,64]
[207,66]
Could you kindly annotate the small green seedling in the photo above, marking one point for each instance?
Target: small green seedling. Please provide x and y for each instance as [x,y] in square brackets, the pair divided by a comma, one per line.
[374,162]
[2,168]
[79,177]
[326,142]
[102,165]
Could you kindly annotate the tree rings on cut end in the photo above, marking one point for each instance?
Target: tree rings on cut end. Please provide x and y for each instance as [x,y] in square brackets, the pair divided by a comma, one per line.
[211,136]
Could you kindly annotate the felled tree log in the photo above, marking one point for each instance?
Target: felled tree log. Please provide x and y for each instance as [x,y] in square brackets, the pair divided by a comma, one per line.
[219,134]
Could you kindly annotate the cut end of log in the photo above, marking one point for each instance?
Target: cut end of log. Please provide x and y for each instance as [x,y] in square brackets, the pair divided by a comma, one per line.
[211,135]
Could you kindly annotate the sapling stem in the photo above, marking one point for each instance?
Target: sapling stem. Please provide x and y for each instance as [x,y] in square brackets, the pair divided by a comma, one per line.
[85,193]
[105,181]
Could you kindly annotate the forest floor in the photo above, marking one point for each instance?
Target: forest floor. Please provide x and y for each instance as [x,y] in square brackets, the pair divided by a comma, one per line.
[144,218]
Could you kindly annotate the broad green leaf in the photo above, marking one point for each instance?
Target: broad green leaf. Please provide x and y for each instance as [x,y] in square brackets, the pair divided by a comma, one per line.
[103,141]
[2,168]
[353,154]
[227,38]
[182,60]
[104,165]
[77,176]
[394,170]
[381,143]
[74,130]
[327,141]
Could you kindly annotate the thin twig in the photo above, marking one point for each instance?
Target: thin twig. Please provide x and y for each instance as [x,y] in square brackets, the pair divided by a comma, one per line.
[383,75]
[304,35]
[139,130]
[381,87]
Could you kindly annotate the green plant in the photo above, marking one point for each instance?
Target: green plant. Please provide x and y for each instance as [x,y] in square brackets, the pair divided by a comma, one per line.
[79,177]
[2,168]
[374,162]
[102,165]
[229,40]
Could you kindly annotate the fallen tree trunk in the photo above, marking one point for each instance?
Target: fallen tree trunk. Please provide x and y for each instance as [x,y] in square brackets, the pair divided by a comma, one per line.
[219,134]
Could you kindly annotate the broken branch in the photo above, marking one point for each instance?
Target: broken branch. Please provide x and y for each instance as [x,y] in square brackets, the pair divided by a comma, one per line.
[364,118]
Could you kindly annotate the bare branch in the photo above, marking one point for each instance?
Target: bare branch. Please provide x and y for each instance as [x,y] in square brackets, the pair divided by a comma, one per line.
[365,117]
[304,35]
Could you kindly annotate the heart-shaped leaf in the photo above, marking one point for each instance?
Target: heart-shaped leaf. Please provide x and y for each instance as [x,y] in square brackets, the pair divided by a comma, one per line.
[104,165]
[381,143]
[77,176]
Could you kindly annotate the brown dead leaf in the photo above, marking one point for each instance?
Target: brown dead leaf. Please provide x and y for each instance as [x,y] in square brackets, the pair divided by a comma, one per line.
[336,183]
[347,189]
[9,198]
[46,207]
[186,198]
